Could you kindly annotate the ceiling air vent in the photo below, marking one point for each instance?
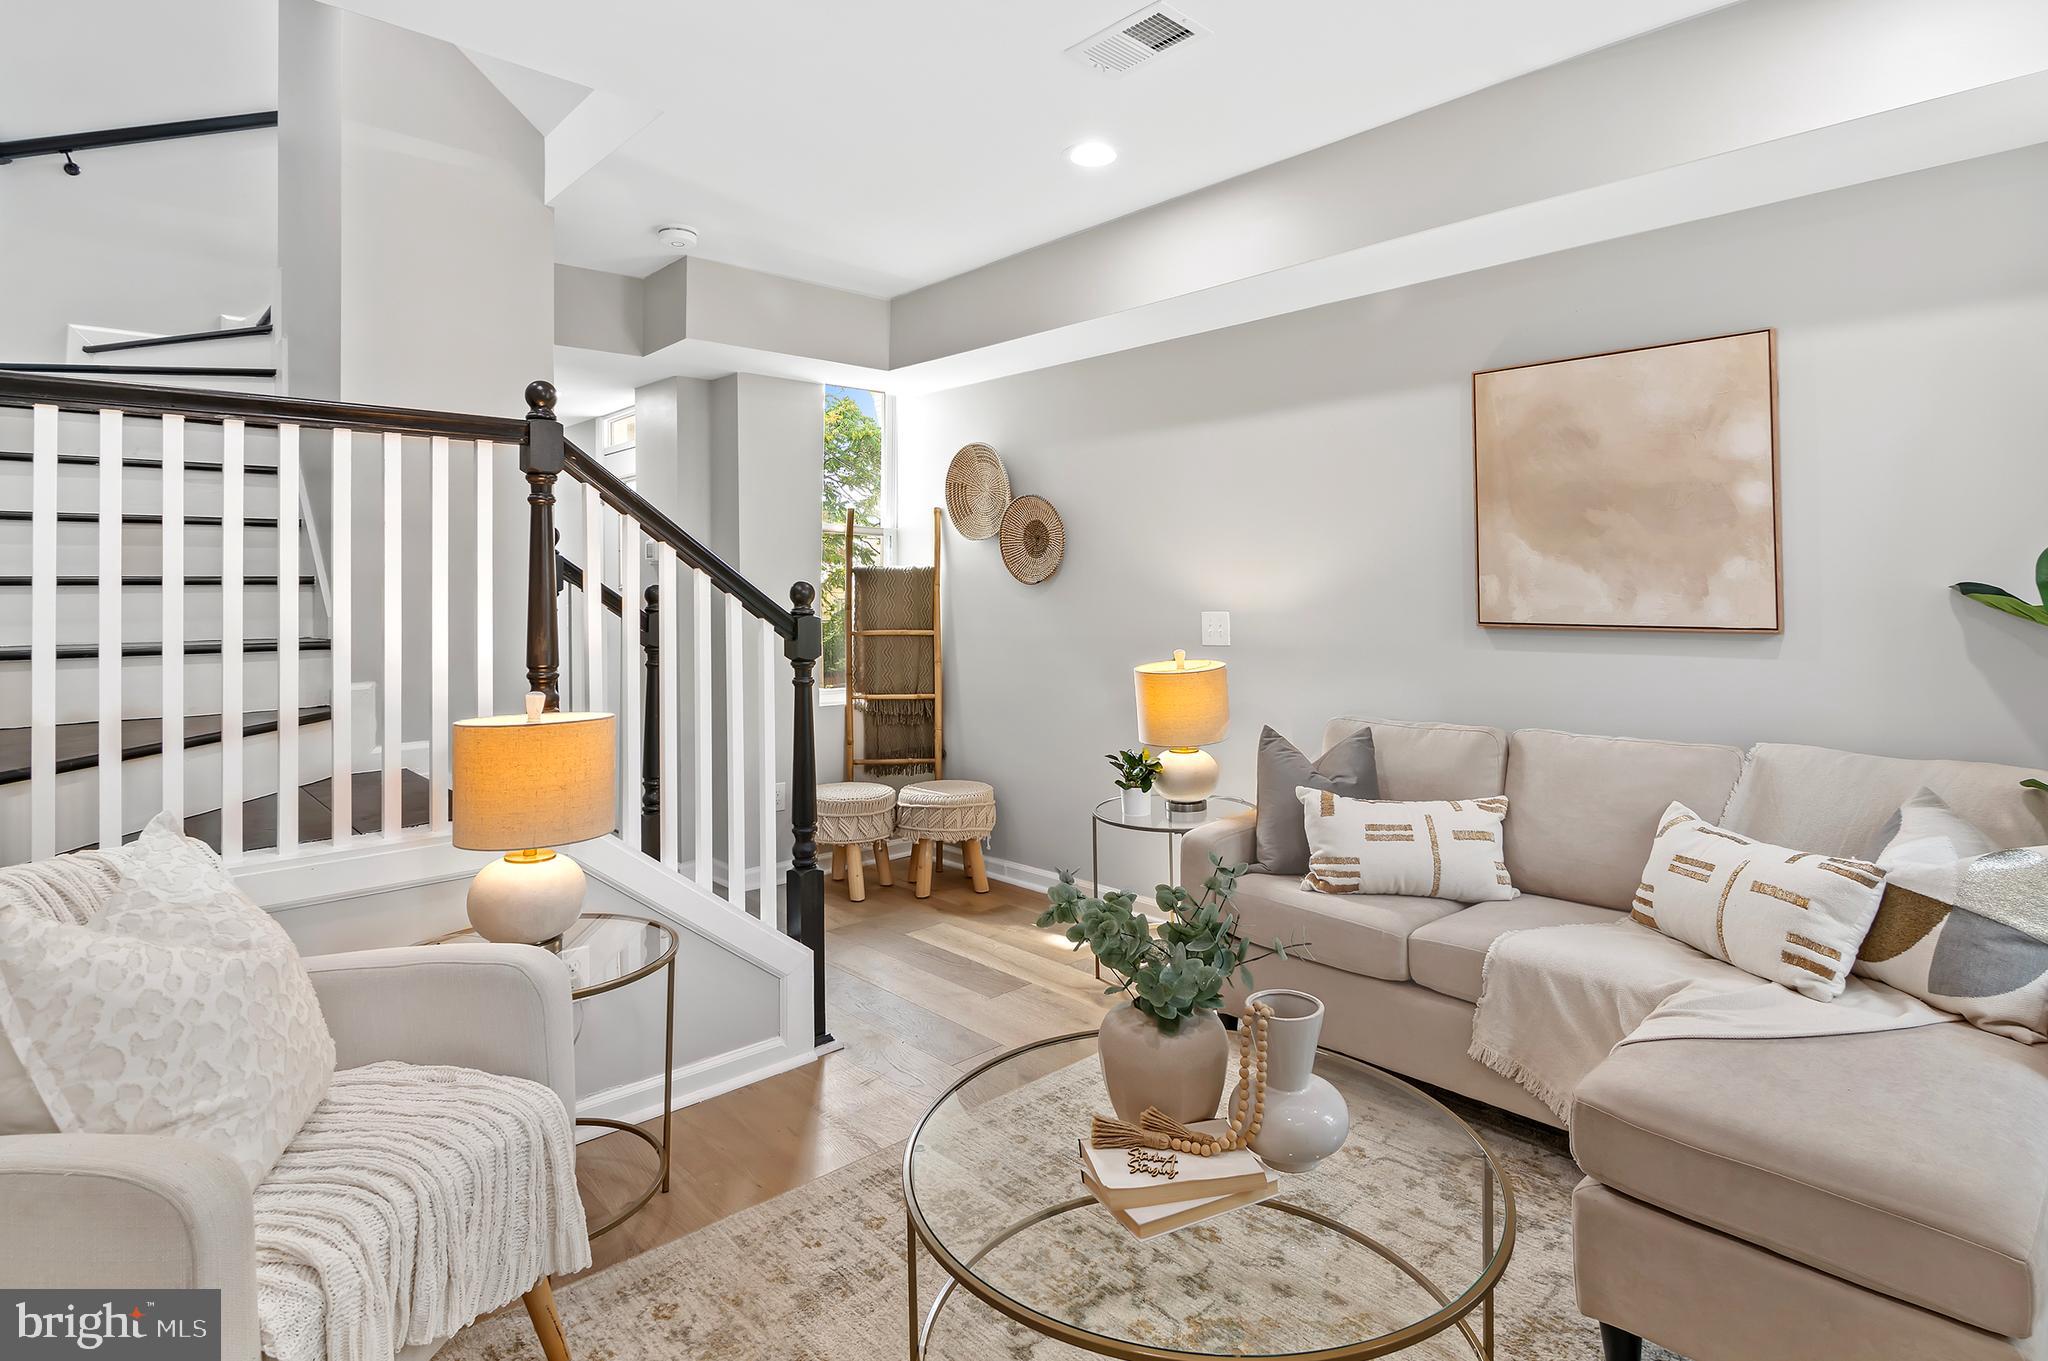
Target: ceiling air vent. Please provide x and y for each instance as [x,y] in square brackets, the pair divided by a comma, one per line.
[1137,39]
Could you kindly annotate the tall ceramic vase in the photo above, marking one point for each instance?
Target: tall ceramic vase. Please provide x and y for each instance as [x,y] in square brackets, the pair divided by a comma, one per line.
[1181,1073]
[1306,1119]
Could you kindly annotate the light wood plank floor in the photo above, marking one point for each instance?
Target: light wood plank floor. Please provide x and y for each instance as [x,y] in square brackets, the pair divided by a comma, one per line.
[919,992]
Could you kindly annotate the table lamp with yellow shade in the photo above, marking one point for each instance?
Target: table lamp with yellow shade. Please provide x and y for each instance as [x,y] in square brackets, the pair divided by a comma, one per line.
[525,783]
[1183,706]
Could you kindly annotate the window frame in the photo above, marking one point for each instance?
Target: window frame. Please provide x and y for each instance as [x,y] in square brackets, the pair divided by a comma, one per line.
[886,533]
[605,445]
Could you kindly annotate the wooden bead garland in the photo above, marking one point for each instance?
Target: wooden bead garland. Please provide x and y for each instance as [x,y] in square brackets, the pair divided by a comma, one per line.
[1156,1129]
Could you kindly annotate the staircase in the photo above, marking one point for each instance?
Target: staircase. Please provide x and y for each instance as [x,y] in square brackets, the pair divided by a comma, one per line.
[241,354]
[182,607]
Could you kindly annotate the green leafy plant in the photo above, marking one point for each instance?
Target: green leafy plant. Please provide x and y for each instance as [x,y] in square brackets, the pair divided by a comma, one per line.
[1135,769]
[1175,968]
[2000,599]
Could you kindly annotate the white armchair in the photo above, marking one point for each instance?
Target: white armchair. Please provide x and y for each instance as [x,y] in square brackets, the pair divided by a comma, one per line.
[134,1210]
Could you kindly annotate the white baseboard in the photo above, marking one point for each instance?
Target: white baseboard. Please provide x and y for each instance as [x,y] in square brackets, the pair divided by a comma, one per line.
[640,1100]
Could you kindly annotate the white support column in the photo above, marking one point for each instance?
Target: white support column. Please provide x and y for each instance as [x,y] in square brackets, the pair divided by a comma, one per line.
[341,657]
[630,673]
[233,486]
[701,631]
[485,460]
[439,736]
[391,692]
[110,667]
[735,753]
[765,774]
[288,632]
[173,602]
[670,668]
[42,634]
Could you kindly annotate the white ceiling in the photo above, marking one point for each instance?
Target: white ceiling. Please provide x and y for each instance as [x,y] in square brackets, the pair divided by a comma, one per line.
[881,147]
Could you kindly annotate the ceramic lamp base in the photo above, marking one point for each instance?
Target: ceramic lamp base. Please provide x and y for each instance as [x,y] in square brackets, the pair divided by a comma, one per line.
[1187,777]
[526,898]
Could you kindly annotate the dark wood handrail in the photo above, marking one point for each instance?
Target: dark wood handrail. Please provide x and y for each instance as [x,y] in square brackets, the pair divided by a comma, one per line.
[65,143]
[261,328]
[255,408]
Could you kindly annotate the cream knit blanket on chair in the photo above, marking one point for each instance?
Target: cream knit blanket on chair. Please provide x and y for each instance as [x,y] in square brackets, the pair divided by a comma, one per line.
[412,1201]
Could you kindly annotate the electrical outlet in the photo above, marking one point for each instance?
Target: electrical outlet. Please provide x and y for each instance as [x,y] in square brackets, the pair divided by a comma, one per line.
[782,796]
[1215,628]
[578,960]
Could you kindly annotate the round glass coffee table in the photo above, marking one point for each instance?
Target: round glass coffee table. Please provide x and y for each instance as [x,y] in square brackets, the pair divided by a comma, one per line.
[1398,1237]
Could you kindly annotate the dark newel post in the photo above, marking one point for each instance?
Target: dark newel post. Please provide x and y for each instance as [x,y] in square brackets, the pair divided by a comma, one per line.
[650,727]
[541,460]
[806,883]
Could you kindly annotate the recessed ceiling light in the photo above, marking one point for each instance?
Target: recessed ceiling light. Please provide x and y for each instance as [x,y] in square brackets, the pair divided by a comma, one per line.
[1091,155]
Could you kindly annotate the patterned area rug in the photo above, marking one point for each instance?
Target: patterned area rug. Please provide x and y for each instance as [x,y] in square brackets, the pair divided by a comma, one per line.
[817,1274]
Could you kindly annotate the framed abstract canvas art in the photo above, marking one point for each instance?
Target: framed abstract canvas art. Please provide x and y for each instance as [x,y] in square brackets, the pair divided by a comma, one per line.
[1631,490]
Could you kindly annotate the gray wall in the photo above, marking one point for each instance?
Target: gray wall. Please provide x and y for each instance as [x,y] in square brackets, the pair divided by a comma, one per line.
[1312,474]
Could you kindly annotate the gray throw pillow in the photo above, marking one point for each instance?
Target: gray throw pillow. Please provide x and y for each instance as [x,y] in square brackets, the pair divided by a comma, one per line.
[1280,840]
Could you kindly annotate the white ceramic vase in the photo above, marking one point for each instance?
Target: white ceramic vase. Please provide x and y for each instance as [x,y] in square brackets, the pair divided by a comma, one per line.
[1181,1073]
[1306,1119]
[1137,804]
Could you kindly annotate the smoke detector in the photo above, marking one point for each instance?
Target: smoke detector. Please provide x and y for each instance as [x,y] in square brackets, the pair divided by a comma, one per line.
[682,240]
[1137,39]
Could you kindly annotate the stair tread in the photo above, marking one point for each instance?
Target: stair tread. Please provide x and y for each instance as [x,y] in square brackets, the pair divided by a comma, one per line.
[308,579]
[89,517]
[366,812]
[93,461]
[78,743]
[72,652]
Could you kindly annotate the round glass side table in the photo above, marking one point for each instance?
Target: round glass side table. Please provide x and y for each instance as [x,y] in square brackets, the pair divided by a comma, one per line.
[623,950]
[1110,813]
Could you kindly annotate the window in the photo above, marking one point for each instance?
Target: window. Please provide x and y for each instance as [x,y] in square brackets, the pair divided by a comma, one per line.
[615,432]
[856,475]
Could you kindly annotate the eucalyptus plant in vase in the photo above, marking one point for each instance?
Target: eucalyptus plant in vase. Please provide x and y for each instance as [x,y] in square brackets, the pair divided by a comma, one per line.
[1164,1046]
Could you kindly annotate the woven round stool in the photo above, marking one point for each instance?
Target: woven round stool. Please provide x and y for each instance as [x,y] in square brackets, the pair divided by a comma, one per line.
[853,814]
[936,812]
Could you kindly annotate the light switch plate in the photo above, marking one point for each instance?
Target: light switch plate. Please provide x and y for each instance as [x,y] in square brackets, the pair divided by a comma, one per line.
[1215,628]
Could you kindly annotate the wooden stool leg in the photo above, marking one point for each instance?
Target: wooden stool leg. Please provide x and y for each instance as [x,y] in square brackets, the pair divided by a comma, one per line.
[921,867]
[547,1323]
[976,870]
[856,884]
[839,862]
[883,870]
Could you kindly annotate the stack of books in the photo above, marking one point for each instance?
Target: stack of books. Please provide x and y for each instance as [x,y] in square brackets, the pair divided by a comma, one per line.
[1152,1192]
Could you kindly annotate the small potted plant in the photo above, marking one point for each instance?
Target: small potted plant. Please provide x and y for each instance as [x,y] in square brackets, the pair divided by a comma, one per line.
[1135,772]
[1164,1047]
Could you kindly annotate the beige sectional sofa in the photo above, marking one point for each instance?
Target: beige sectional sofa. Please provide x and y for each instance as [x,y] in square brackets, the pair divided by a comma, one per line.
[1856,1196]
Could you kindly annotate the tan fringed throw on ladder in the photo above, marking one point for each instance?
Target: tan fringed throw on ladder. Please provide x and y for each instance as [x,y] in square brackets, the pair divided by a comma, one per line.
[894,669]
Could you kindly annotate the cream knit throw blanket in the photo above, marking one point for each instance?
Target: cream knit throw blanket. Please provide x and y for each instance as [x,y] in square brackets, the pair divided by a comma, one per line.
[413,1200]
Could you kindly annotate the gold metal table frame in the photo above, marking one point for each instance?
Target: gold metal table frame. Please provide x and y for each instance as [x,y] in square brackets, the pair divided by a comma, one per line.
[1452,1312]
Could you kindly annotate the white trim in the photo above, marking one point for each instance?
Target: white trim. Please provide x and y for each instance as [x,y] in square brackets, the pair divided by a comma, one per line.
[640,1100]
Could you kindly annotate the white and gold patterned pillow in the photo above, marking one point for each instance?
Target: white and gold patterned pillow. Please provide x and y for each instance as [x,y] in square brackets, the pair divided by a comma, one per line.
[1794,917]
[1452,848]
[181,1008]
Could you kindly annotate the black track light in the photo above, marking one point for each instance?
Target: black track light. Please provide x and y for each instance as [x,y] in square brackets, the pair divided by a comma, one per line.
[71,166]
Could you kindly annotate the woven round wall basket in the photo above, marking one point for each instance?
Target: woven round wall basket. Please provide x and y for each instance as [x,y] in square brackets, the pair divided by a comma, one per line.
[1033,539]
[977,489]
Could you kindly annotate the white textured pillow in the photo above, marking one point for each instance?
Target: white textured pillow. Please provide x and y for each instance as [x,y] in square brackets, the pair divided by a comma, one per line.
[1447,849]
[181,1008]
[1794,917]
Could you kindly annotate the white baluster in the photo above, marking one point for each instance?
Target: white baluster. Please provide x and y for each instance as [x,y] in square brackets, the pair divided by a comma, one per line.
[765,779]
[341,656]
[391,732]
[593,602]
[670,668]
[42,634]
[173,602]
[231,587]
[485,568]
[735,753]
[439,734]
[701,632]
[110,633]
[288,632]
[629,681]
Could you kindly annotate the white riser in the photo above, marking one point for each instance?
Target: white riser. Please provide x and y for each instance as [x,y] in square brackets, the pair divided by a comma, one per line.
[77,793]
[78,432]
[142,686]
[142,489]
[142,546]
[142,613]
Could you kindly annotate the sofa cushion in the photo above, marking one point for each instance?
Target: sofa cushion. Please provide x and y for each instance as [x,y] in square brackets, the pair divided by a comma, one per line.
[1582,810]
[1448,955]
[1839,802]
[1361,933]
[1430,760]
[1909,1162]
